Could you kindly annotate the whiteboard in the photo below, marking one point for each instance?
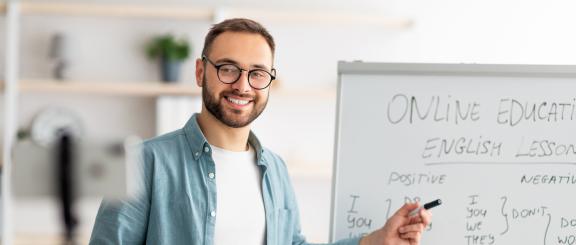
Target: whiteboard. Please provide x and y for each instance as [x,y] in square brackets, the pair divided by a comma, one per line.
[495,142]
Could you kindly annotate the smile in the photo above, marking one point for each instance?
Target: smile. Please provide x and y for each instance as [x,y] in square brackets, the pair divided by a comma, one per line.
[238,101]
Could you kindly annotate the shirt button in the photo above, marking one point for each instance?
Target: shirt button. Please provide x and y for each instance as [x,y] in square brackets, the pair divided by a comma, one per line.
[213,213]
[211,175]
[206,149]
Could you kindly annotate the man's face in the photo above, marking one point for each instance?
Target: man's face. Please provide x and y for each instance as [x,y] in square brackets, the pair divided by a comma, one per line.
[236,105]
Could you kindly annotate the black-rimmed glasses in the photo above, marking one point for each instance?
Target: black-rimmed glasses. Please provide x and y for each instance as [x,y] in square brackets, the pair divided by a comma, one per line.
[230,73]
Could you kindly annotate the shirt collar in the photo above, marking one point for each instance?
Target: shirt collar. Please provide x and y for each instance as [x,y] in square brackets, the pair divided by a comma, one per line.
[198,142]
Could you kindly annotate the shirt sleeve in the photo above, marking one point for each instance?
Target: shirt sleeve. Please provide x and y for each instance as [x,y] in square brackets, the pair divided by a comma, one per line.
[125,222]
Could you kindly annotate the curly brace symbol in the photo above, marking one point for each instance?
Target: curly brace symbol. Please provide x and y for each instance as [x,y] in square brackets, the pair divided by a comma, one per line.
[504,214]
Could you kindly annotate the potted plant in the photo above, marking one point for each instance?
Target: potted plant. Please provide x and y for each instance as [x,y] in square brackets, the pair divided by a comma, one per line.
[170,52]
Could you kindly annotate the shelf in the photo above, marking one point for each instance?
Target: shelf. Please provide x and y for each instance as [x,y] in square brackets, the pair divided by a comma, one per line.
[116,10]
[188,12]
[146,89]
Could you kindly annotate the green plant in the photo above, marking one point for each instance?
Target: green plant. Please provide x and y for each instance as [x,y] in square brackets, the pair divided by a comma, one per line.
[169,48]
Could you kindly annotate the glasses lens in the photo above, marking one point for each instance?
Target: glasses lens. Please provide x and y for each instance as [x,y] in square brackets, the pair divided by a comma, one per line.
[259,79]
[228,73]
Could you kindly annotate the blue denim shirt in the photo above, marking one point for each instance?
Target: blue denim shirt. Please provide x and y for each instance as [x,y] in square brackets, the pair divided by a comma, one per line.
[177,203]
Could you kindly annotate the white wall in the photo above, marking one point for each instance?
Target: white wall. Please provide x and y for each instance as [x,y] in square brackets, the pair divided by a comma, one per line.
[489,31]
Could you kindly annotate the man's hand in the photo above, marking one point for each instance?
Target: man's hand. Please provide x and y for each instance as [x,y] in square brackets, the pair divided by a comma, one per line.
[400,229]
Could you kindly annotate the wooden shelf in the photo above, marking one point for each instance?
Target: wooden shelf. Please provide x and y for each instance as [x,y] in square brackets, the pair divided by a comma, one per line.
[188,12]
[116,10]
[145,89]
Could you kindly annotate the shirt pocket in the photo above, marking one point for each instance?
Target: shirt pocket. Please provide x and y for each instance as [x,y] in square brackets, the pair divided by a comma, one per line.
[285,225]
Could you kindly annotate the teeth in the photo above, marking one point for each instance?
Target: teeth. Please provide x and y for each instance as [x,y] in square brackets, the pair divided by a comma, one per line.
[239,102]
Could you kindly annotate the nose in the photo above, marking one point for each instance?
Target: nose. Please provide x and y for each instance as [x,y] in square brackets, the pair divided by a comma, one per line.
[242,84]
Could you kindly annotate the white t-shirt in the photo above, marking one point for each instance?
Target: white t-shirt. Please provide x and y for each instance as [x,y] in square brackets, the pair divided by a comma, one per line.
[240,215]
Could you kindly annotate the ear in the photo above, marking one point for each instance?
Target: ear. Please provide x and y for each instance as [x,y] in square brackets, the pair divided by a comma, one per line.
[199,72]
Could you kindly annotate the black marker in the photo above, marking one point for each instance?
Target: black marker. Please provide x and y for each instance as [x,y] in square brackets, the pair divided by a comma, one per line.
[426,206]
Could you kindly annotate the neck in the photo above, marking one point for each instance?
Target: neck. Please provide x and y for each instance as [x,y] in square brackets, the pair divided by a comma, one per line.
[221,135]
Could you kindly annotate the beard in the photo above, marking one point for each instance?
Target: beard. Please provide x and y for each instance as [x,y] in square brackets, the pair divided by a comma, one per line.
[231,117]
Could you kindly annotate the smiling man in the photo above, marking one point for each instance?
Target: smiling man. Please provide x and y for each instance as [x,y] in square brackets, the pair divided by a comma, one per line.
[212,182]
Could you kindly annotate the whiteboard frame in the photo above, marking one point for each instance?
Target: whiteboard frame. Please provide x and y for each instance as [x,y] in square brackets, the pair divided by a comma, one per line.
[372,68]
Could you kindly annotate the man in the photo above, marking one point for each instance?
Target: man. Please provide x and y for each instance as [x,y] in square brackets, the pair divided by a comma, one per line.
[212,182]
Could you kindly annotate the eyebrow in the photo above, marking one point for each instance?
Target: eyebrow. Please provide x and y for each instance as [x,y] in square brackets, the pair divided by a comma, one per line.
[231,61]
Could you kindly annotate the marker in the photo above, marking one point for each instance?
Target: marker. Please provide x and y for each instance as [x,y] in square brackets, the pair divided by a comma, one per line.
[426,206]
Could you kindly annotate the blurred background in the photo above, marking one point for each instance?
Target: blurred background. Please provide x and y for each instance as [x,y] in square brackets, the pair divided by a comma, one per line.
[87,64]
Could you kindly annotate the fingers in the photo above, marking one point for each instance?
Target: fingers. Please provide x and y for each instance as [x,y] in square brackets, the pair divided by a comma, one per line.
[425,217]
[411,228]
[415,219]
[415,225]
[412,232]
[406,209]
[415,236]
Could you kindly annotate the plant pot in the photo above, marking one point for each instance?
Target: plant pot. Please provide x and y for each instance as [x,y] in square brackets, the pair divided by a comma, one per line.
[170,70]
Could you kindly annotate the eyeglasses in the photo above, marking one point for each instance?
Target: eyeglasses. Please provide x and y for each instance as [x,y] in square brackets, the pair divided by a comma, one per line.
[230,73]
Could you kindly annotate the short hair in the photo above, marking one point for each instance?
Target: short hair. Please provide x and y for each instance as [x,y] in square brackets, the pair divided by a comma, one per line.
[237,25]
